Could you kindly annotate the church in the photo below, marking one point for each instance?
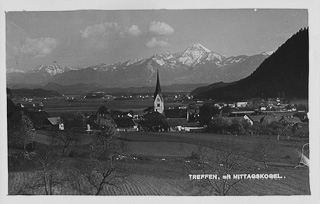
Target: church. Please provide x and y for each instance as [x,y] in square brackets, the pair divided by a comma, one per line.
[159,119]
[158,101]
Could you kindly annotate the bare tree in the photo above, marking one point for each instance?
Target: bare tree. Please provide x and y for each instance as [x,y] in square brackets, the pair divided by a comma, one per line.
[48,176]
[64,139]
[262,150]
[101,170]
[222,163]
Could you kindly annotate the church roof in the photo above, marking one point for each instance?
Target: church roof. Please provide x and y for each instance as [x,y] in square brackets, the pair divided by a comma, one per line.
[158,88]
[154,116]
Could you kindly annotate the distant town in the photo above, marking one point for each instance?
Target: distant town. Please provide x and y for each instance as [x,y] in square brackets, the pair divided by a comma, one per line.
[179,112]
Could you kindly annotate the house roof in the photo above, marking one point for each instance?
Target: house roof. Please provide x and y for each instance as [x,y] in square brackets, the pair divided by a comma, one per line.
[172,122]
[176,113]
[240,113]
[256,118]
[293,120]
[55,120]
[124,122]
[269,118]
[235,117]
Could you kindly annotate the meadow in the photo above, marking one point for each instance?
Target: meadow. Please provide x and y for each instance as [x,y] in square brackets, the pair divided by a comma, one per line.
[56,107]
[159,164]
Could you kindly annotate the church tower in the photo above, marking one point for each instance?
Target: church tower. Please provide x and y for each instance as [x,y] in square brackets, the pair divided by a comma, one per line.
[158,101]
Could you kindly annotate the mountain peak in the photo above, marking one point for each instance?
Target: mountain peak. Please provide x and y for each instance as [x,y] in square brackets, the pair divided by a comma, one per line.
[51,69]
[198,46]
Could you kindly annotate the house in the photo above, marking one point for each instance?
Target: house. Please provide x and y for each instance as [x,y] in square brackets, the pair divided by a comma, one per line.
[55,123]
[241,104]
[290,120]
[267,119]
[303,116]
[176,113]
[240,113]
[154,121]
[256,118]
[126,124]
[181,124]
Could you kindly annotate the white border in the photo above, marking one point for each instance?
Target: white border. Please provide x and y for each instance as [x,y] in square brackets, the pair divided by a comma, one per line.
[313,7]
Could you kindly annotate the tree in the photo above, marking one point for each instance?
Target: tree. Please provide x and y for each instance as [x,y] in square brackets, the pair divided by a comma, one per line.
[261,152]
[64,139]
[220,162]
[101,169]
[77,120]
[49,176]
[38,118]
[226,110]
[22,133]
[236,126]
[218,124]
[207,111]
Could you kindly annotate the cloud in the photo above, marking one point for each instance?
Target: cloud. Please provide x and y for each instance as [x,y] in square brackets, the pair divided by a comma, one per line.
[160,28]
[13,70]
[99,29]
[39,47]
[134,30]
[157,43]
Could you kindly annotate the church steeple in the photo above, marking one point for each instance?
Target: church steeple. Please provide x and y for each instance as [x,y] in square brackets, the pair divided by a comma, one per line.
[158,97]
[158,87]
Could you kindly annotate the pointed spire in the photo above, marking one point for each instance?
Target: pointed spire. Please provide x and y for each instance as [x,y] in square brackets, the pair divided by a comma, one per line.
[158,87]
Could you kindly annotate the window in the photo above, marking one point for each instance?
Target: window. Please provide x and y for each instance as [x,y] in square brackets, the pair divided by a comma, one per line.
[158,105]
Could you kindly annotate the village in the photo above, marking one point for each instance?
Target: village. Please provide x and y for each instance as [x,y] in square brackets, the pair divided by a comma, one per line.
[170,112]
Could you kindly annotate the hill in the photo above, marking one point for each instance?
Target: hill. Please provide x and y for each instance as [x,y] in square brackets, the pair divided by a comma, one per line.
[202,89]
[30,93]
[284,73]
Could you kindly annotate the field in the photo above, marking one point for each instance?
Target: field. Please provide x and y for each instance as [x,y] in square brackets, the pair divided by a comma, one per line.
[294,184]
[58,106]
[159,164]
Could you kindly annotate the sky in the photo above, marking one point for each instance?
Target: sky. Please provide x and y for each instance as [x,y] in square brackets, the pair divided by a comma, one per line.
[82,38]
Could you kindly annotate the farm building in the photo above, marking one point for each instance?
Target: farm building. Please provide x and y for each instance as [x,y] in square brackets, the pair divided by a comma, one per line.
[126,124]
[55,123]
[290,120]
[182,124]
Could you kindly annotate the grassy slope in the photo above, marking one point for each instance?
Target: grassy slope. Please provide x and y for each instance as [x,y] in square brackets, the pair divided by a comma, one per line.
[149,175]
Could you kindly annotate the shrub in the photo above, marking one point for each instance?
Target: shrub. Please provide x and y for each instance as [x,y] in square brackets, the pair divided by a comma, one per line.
[73,154]
[194,155]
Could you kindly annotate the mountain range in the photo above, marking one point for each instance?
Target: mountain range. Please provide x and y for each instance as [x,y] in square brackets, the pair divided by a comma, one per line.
[284,74]
[195,65]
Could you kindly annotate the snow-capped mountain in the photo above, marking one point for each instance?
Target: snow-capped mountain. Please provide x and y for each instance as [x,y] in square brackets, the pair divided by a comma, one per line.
[51,69]
[197,53]
[39,74]
[196,64]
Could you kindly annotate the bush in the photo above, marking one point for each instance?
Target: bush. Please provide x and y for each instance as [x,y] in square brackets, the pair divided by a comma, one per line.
[302,132]
[73,154]
[194,155]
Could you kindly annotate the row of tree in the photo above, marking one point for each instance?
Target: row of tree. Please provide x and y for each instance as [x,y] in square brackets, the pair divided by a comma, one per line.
[226,125]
